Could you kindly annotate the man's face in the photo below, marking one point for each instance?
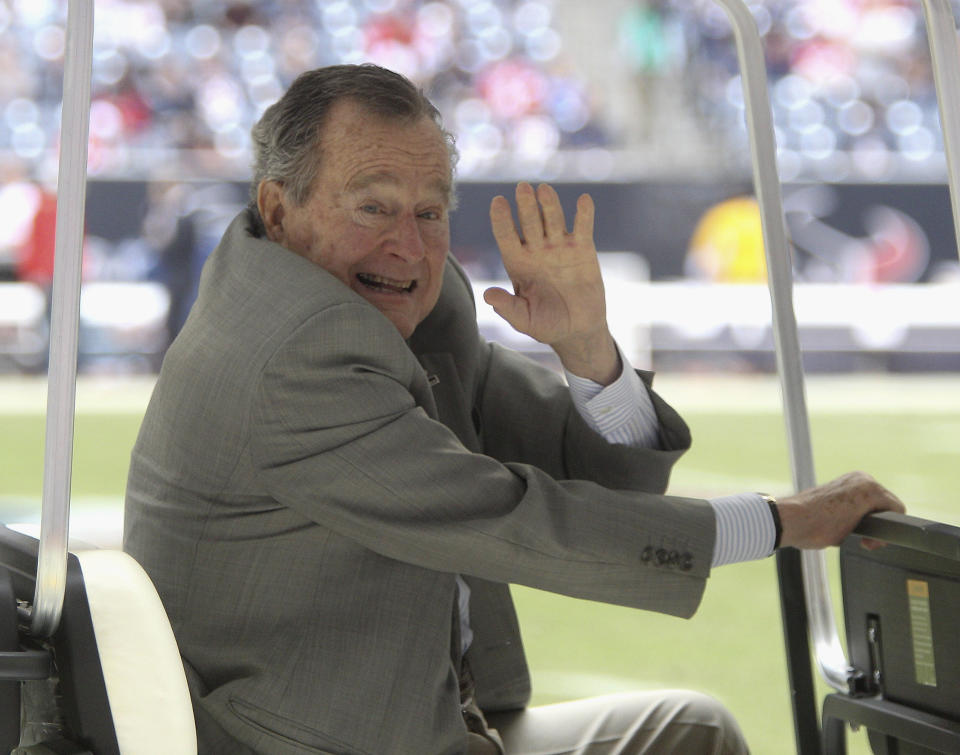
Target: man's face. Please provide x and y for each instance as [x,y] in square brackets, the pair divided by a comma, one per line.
[376,217]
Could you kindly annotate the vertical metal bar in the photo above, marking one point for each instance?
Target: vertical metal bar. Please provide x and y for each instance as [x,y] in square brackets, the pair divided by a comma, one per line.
[64,318]
[809,576]
[793,615]
[945,54]
[779,262]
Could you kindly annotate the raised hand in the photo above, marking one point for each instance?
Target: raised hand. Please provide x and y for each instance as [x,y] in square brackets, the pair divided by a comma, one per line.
[558,295]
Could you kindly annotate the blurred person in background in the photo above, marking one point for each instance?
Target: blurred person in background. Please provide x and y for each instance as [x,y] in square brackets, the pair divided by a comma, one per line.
[337,477]
[28,212]
[20,201]
[36,252]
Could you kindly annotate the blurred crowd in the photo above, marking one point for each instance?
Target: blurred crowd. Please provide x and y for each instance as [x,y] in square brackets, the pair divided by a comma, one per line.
[851,81]
[176,84]
[526,85]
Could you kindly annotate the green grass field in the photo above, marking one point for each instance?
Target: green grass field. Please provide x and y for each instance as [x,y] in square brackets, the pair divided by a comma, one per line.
[905,430]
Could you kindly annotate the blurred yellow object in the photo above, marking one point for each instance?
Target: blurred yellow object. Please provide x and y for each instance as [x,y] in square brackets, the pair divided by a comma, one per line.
[727,243]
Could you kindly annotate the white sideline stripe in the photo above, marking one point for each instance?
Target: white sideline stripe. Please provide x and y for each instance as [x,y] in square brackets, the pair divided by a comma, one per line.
[707,392]
[701,484]
[94,521]
[826,394]
[95,395]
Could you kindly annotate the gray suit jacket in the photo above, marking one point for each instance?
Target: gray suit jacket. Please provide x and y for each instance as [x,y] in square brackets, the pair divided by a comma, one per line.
[306,485]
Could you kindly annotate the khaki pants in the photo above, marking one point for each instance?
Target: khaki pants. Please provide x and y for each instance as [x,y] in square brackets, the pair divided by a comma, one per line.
[668,722]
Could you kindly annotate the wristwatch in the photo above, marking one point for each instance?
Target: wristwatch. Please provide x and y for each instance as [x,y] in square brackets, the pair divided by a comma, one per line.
[775,513]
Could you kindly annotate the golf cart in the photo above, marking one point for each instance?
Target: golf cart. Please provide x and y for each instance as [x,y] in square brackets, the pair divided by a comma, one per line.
[90,663]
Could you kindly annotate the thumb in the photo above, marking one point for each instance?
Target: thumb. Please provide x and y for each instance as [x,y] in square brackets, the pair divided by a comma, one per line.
[511,308]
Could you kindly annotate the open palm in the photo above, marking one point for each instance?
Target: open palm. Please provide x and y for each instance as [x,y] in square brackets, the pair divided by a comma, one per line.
[558,296]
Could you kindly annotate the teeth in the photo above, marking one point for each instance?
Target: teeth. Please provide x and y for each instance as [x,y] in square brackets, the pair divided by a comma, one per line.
[382,281]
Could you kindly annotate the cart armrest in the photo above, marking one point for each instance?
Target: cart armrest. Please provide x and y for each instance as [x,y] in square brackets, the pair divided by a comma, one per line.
[912,532]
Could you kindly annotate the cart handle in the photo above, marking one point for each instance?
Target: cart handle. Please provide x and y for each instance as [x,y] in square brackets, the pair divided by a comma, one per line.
[912,532]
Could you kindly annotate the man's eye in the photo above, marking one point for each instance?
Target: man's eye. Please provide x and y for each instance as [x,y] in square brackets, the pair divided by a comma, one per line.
[371,209]
[430,215]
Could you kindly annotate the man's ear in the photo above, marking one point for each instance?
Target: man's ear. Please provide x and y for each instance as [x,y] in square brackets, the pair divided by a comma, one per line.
[270,202]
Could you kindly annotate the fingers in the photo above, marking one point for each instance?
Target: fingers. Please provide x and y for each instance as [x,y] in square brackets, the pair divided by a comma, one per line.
[528,215]
[892,503]
[583,221]
[554,225]
[826,514]
[877,498]
[869,494]
[539,216]
[501,221]
[511,308]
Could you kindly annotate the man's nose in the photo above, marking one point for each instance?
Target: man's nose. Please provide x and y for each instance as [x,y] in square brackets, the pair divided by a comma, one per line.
[407,242]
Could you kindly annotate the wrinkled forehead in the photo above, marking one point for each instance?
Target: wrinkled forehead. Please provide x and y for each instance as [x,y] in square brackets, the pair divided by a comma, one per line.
[431,182]
[360,148]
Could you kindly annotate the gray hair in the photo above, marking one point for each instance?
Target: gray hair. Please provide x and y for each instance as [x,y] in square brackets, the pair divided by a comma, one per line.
[286,139]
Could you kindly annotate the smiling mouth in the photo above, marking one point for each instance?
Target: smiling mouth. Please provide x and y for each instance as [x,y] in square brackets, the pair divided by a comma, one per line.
[388,285]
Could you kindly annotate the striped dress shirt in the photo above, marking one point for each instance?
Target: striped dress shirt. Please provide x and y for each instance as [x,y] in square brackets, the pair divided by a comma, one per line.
[622,412]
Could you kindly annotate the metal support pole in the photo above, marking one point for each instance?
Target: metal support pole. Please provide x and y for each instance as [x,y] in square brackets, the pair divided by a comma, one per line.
[64,318]
[806,574]
[945,54]
[796,636]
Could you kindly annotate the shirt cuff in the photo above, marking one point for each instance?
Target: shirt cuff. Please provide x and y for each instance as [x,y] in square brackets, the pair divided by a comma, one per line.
[745,529]
[621,412]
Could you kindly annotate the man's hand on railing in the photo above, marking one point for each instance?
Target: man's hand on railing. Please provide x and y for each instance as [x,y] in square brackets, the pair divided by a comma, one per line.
[826,514]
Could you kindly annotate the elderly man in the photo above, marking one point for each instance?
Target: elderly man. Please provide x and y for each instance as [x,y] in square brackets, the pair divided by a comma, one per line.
[337,477]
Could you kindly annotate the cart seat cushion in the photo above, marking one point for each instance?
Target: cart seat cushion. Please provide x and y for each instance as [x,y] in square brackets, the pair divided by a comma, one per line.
[142,668]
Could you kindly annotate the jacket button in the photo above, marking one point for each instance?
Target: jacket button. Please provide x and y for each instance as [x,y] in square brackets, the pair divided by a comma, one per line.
[662,557]
[686,562]
[647,554]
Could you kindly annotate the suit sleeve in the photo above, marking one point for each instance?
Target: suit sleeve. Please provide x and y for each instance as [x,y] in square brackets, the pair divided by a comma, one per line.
[338,435]
[528,415]
[524,412]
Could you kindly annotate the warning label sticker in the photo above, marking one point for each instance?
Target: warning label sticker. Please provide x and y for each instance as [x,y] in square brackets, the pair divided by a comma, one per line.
[918,594]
